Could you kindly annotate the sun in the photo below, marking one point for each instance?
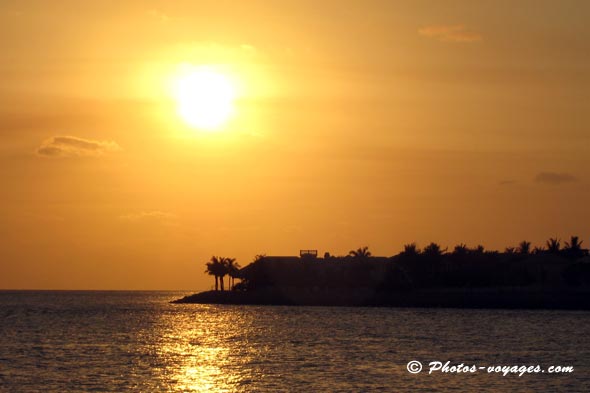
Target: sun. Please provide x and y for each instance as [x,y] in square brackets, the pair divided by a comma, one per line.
[204,97]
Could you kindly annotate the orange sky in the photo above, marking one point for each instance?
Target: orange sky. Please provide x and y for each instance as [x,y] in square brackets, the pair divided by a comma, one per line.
[357,123]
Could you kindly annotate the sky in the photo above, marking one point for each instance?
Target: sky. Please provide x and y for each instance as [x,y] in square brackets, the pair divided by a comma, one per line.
[353,123]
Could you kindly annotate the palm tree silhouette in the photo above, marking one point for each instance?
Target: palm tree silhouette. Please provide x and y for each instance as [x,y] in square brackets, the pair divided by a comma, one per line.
[410,249]
[510,250]
[218,267]
[215,268]
[553,245]
[460,249]
[233,269]
[574,243]
[524,247]
[573,248]
[360,253]
[433,250]
[223,271]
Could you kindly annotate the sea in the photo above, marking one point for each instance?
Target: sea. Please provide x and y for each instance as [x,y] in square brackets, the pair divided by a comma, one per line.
[102,341]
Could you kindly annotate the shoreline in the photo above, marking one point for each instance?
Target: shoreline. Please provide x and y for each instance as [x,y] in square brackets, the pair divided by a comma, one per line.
[472,298]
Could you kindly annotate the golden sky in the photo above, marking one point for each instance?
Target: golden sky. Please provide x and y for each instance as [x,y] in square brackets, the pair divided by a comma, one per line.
[352,123]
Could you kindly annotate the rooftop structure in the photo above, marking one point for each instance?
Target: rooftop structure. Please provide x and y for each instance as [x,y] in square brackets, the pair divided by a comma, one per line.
[308,253]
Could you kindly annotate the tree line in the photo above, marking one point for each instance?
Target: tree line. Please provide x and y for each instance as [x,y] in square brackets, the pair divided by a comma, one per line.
[430,266]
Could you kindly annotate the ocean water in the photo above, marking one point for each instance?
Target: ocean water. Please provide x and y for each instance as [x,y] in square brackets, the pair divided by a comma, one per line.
[56,341]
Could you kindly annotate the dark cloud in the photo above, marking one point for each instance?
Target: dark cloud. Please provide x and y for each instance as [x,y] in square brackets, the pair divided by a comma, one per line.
[450,33]
[554,178]
[71,146]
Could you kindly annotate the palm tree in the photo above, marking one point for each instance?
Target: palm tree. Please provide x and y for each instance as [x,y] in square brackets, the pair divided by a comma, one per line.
[574,243]
[219,267]
[461,249]
[233,269]
[553,245]
[223,271]
[524,247]
[410,249]
[360,253]
[574,247]
[433,250]
[432,258]
[259,257]
[213,269]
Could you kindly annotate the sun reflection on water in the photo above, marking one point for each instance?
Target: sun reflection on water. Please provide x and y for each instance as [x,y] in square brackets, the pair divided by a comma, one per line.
[196,352]
[119,342]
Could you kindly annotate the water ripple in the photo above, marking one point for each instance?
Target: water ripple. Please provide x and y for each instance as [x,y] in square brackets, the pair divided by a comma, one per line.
[133,341]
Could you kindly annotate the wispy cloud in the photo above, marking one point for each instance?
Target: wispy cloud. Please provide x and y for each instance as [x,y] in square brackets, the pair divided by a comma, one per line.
[507,182]
[450,33]
[154,215]
[555,178]
[200,52]
[71,146]
[44,217]
[158,15]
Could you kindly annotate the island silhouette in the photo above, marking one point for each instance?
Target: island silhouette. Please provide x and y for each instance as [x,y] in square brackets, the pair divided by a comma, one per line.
[551,276]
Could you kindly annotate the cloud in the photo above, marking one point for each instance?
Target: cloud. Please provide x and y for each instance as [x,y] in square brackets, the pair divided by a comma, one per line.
[153,215]
[507,182]
[202,52]
[71,146]
[247,228]
[159,15]
[555,178]
[44,217]
[450,33]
